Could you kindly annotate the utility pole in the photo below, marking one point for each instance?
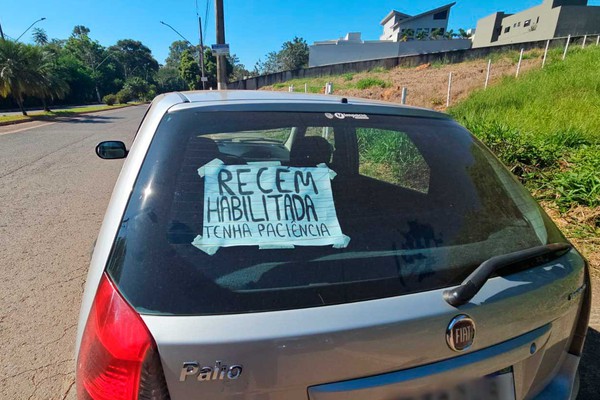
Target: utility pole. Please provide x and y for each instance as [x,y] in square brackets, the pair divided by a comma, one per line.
[221,60]
[201,54]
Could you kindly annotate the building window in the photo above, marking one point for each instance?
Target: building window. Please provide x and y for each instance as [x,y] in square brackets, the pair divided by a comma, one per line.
[507,29]
[519,23]
[538,20]
[527,23]
[441,15]
[515,25]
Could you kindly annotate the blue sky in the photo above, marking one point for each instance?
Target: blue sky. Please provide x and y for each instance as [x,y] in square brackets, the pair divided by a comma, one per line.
[253,27]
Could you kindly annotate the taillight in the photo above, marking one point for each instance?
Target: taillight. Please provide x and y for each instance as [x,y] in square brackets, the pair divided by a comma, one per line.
[117,359]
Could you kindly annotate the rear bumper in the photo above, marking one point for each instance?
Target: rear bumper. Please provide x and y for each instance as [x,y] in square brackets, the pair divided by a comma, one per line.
[525,353]
[562,386]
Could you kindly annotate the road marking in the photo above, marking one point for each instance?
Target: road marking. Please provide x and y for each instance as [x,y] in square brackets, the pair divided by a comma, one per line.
[25,129]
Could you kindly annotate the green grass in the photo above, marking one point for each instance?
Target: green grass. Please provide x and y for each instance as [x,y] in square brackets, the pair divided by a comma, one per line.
[546,126]
[366,83]
[42,115]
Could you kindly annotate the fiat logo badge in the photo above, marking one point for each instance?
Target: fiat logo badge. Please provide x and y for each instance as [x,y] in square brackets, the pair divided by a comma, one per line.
[460,333]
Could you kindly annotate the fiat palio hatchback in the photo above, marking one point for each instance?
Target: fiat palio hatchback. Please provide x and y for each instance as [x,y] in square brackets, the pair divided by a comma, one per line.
[293,247]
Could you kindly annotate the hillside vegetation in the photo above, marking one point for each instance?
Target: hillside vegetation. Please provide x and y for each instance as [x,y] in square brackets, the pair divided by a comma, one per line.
[544,125]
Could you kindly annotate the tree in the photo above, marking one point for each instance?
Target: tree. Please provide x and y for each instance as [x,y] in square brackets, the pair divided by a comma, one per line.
[175,50]
[90,53]
[80,30]
[18,74]
[134,58]
[421,35]
[293,54]
[239,70]
[407,34]
[436,33]
[138,88]
[40,37]
[271,65]
[189,70]
[169,80]
[52,85]
[463,34]
[450,34]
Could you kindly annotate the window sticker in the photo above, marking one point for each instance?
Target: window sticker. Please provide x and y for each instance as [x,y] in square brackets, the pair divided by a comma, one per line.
[268,205]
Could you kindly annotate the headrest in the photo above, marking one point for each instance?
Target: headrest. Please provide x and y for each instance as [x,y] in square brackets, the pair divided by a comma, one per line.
[310,151]
[202,144]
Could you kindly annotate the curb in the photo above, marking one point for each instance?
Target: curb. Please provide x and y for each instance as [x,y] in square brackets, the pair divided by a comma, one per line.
[47,118]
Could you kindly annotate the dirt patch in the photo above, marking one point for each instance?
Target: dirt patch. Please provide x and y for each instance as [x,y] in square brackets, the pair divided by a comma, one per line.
[427,84]
[582,226]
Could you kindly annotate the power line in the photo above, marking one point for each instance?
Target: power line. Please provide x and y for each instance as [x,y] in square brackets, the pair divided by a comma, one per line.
[206,16]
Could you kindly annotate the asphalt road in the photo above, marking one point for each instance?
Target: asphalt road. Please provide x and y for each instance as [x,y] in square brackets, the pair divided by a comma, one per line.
[53,195]
[40,109]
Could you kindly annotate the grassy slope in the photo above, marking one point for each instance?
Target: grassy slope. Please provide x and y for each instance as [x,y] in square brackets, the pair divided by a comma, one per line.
[546,127]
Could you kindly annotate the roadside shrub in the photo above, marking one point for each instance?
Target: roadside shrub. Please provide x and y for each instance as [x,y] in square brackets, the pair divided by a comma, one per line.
[371,82]
[515,147]
[109,99]
[378,69]
[347,77]
[124,96]
[579,181]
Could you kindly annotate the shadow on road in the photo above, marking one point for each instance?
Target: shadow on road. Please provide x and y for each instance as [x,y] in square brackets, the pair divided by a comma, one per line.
[87,119]
[589,368]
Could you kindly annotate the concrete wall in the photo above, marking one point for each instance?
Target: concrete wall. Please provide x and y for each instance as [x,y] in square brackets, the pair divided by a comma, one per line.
[344,52]
[575,20]
[487,28]
[386,63]
[558,3]
[547,21]
[388,31]
[542,25]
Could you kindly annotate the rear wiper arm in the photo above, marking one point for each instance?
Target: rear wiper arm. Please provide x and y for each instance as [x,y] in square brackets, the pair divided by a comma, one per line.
[472,285]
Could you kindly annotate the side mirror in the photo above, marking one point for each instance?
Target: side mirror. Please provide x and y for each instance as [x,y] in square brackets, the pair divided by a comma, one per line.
[111,150]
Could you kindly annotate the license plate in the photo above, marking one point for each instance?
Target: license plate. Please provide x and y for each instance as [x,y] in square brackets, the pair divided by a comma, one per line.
[497,386]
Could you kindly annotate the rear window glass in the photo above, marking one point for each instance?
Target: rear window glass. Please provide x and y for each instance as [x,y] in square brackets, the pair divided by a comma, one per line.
[237,212]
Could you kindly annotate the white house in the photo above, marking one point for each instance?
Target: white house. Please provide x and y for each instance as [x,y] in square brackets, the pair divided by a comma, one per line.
[397,25]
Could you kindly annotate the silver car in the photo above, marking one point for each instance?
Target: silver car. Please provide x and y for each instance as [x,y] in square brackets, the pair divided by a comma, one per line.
[295,247]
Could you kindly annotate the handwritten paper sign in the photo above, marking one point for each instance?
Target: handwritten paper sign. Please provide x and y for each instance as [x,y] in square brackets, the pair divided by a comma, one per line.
[269,205]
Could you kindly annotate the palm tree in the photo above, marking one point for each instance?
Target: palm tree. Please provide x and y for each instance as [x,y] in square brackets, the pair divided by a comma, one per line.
[450,34]
[51,85]
[463,34]
[422,35]
[40,37]
[436,33]
[26,70]
[407,34]
[17,77]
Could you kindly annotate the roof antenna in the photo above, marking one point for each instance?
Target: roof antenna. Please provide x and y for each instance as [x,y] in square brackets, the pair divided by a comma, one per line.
[344,100]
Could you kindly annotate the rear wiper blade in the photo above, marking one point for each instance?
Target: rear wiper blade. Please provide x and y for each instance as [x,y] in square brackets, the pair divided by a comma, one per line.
[473,283]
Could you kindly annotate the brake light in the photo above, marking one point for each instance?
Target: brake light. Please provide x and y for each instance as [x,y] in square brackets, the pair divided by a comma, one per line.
[116,350]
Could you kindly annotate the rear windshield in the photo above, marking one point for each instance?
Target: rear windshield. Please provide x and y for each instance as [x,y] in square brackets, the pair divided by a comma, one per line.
[236,212]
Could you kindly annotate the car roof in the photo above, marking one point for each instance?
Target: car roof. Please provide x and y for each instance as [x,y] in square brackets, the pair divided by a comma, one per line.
[211,98]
